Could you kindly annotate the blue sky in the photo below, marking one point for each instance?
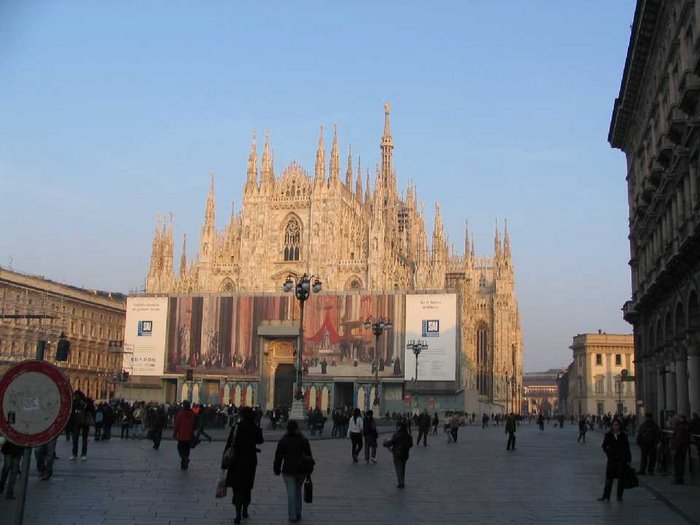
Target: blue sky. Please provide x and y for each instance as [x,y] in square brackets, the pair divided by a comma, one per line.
[114,112]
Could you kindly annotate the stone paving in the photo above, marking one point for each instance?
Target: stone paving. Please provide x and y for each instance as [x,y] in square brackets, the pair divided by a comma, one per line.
[550,478]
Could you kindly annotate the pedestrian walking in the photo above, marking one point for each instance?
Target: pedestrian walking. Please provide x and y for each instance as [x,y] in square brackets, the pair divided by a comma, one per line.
[454,427]
[45,454]
[484,420]
[12,459]
[540,422]
[99,422]
[240,476]
[511,427]
[582,429]
[400,444]
[157,426]
[369,430]
[648,437]
[424,422]
[183,432]
[200,413]
[292,454]
[355,433]
[680,442]
[435,423]
[617,449]
[125,422]
[82,414]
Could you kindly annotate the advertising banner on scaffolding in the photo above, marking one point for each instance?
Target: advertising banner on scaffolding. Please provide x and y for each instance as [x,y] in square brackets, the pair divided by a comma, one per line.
[145,335]
[432,319]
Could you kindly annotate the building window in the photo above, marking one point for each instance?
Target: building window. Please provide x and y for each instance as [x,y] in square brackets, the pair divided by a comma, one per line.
[292,241]
[600,386]
[618,359]
[601,409]
[482,360]
[599,359]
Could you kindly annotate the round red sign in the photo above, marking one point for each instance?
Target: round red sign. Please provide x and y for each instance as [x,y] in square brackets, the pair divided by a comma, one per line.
[35,403]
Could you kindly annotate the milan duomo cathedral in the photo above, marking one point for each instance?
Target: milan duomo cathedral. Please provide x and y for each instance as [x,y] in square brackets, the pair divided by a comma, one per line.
[357,237]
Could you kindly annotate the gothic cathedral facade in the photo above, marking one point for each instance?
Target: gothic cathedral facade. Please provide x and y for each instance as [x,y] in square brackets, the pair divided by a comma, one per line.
[358,237]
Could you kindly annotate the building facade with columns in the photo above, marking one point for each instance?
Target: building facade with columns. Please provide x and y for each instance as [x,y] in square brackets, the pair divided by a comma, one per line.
[595,377]
[33,308]
[655,123]
[361,238]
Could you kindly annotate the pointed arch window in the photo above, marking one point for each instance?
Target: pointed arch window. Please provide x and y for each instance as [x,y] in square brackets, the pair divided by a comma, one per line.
[482,359]
[292,240]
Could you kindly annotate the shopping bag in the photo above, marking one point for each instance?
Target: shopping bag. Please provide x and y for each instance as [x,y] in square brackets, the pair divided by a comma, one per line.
[221,485]
[630,478]
[308,490]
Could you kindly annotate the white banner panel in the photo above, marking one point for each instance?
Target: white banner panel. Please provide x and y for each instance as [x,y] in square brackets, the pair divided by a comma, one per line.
[146,330]
[433,320]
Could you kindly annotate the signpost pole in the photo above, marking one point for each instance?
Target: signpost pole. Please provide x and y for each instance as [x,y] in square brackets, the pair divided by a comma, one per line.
[27,457]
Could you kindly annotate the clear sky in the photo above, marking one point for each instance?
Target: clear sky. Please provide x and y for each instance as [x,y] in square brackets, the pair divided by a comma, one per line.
[114,112]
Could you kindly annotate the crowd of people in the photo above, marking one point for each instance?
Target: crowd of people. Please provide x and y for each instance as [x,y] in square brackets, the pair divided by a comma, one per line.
[293,457]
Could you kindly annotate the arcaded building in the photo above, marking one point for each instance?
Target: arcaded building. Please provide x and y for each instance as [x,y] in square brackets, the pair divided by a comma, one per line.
[367,242]
[33,308]
[655,123]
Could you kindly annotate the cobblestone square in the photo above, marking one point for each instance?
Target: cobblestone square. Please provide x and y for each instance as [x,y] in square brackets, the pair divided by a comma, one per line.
[550,478]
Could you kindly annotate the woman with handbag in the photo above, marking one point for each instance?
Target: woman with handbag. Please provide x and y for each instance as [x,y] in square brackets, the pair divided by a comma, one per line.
[617,449]
[241,460]
[294,461]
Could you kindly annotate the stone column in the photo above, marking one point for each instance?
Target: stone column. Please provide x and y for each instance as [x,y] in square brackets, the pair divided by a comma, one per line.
[693,347]
[671,400]
[660,387]
[681,381]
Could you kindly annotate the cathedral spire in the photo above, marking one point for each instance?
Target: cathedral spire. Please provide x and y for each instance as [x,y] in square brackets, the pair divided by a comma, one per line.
[335,158]
[183,257]
[251,181]
[358,184]
[209,214]
[348,172]
[368,190]
[387,147]
[267,169]
[320,160]
[506,242]
[497,244]
[467,242]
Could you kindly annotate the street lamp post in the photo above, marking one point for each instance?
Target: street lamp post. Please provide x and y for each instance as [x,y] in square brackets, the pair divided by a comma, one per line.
[510,387]
[417,347]
[378,326]
[302,286]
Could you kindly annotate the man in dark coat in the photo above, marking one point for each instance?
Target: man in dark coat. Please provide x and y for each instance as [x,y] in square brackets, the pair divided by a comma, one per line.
[648,437]
[511,427]
[617,449]
[680,442]
[244,439]
[423,427]
[400,444]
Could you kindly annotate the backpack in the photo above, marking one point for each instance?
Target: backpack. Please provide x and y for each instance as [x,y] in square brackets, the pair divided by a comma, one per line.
[99,417]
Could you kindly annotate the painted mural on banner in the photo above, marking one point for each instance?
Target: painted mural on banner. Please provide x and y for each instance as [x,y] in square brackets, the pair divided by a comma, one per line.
[145,335]
[433,320]
[219,334]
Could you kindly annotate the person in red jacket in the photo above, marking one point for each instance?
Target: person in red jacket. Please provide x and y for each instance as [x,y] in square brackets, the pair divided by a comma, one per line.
[183,432]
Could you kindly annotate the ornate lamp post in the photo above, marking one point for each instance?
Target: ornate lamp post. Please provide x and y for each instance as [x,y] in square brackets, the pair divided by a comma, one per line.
[302,286]
[378,326]
[416,346]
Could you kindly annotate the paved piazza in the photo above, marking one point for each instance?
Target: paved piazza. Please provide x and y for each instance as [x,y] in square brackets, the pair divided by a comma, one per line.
[550,478]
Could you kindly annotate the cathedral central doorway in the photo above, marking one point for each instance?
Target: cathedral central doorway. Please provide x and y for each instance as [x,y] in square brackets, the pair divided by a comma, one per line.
[343,394]
[284,385]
